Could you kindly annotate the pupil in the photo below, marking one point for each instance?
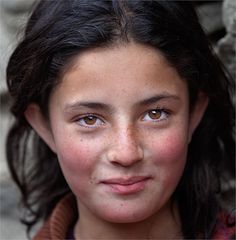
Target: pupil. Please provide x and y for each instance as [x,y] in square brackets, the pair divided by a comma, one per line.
[90,120]
[155,114]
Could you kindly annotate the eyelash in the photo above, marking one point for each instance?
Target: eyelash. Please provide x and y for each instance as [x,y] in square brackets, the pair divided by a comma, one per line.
[96,118]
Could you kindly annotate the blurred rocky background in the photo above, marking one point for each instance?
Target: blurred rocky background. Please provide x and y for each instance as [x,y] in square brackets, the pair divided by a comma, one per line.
[13,15]
[219,21]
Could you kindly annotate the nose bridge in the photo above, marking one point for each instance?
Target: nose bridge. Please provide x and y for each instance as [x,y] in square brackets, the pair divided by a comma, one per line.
[129,137]
[126,148]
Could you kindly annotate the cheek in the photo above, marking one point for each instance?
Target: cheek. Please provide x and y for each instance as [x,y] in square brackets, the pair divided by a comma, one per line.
[170,146]
[172,149]
[169,156]
[77,160]
[74,155]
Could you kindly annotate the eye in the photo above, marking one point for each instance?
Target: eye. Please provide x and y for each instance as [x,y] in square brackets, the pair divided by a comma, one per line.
[156,115]
[89,121]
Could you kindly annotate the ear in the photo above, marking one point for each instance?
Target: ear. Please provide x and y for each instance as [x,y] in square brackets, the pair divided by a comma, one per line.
[38,122]
[197,113]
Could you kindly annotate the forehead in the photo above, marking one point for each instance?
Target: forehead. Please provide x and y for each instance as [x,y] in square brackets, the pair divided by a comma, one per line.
[122,70]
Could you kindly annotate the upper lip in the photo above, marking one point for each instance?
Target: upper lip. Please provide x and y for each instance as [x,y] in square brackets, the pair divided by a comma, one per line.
[126,180]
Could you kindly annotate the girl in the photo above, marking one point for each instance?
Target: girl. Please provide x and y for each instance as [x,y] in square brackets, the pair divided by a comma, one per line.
[124,122]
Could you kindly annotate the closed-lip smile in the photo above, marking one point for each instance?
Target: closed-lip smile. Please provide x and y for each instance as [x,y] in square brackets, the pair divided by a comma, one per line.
[126,185]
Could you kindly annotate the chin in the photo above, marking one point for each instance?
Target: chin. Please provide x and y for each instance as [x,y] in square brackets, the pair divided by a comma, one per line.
[125,216]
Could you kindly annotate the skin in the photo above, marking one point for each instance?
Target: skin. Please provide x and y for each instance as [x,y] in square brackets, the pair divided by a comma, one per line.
[138,124]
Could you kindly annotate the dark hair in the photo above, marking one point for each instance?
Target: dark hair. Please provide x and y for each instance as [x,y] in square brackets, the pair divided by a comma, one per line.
[59,30]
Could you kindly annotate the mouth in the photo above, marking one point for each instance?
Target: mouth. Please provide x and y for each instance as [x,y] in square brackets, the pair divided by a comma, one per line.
[125,186]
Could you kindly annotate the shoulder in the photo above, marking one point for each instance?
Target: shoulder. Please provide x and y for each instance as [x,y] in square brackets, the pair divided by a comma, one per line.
[60,221]
[225,227]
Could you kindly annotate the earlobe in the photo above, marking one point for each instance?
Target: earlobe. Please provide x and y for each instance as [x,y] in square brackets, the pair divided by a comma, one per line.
[38,122]
[197,113]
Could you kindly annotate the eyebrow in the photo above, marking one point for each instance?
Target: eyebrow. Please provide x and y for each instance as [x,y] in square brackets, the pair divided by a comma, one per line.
[92,105]
[157,98]
[107,107]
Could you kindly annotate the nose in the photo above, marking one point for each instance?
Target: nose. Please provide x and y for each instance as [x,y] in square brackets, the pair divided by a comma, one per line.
[125,149]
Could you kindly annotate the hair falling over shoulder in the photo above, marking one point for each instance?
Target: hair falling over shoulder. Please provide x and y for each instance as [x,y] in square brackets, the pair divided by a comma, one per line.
[59,30]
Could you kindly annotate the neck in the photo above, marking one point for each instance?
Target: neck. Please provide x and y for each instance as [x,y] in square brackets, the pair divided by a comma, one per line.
[163,225]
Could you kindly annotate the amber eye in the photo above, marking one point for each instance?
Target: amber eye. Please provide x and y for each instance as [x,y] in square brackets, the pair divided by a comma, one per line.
[90,120]
[154,114]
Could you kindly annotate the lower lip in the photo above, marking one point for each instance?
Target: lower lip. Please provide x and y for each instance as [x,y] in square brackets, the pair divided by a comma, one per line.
[127,189]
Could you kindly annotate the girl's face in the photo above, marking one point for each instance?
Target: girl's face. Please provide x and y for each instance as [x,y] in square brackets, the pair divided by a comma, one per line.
[120,125]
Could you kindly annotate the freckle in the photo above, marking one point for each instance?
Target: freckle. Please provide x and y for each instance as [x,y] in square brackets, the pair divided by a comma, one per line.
[81,140]
[92,180]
